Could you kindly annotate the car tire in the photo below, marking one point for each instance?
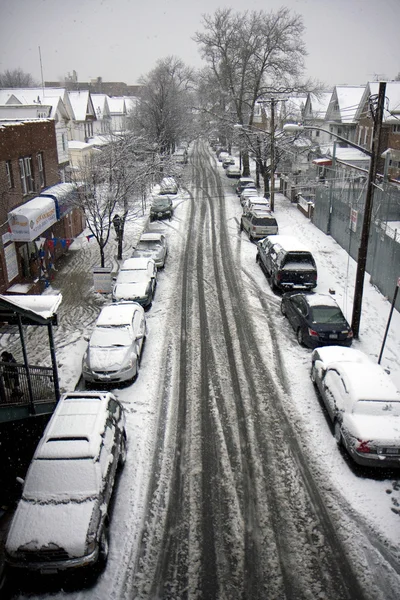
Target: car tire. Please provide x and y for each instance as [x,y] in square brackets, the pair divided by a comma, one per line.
[257,258]
[104,544]
[313,374]
[283,309]
[300,337]
[338,433]
[122,454]
[241,226]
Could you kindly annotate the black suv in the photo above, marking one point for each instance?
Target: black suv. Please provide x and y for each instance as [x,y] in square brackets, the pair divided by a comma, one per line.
[287,263]
[161,208]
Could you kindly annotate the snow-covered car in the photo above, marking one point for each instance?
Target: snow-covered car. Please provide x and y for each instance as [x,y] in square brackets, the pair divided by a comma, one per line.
[258,224]
[61,521]
[233,171]
[317,319]
[222,156]
[253,200]
[115,346]
[168,185]
[244,182]
[229,160]
[248,192]
[152,245]
[362,403]
[161,208]
[136,281]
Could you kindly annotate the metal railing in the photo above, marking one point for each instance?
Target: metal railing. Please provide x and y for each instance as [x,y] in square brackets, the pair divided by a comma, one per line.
[14,385]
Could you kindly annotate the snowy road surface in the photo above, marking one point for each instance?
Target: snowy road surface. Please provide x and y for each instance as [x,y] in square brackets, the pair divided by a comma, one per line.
[234,487]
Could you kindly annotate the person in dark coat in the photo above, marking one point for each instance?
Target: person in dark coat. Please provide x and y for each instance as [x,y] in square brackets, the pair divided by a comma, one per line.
[11,378]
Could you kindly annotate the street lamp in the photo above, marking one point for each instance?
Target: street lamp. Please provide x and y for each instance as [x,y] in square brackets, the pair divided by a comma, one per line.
[363,248]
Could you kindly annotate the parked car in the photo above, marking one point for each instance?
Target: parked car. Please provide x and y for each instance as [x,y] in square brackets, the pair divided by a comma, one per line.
[362,403]
[260,201]
[233,171]
[61,522]
[115,346]
[168,185]
[247,193]
[229,160]
[244,182]
[258,224]
[136,281]
[288,264]
[222,156]
[316,319]
[161,208]
[152,245]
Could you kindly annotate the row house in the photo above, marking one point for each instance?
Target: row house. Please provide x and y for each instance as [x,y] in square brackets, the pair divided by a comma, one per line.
[389,151]
[34,103]
[38,218]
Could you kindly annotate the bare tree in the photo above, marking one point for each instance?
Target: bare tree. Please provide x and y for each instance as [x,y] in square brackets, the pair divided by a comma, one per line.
[16,78]
[164,108]
[251,56]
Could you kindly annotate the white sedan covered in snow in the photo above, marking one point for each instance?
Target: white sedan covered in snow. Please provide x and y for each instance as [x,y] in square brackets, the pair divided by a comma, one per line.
[136,281]
[116,344]
[362,402]
[152,245]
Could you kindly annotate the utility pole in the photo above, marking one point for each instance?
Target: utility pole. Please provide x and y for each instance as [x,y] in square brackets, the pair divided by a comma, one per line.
[272,160]
[363,249]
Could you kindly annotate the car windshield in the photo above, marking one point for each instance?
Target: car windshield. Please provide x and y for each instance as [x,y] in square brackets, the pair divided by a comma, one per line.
[162,203]
[148,244]
[107,337]
[62,479]
[328,314]
[135,276]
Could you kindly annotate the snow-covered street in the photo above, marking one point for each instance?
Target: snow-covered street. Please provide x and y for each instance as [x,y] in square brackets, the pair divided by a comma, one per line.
[234,486]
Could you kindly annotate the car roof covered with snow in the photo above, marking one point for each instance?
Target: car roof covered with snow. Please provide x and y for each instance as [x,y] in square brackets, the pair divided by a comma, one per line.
[289,243]
[366,381]
[131,264]
[331,354]
[118,313]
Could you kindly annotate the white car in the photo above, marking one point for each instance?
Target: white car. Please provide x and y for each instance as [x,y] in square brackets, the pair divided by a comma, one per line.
[248,192]
[115,346]
[256,201]
[152,245]
[233,171]
[61,522]
[362,402]
[136,281]
[168,185]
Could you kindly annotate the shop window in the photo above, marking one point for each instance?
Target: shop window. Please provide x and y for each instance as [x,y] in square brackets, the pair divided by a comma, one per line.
[41,169]
[25,167]
[10,176]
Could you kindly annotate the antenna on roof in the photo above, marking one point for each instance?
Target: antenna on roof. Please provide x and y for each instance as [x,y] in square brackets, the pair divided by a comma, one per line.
[41,69]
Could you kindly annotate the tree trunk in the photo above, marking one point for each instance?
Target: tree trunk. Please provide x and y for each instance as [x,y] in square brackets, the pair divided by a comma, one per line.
[246,163]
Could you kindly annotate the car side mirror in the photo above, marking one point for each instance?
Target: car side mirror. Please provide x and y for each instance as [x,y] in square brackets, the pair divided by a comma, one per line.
[86,338]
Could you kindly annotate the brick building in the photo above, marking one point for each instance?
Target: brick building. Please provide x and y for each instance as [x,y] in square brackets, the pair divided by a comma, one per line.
[37,217]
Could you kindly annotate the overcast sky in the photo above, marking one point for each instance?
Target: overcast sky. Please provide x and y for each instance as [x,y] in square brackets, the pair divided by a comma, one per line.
[348,41]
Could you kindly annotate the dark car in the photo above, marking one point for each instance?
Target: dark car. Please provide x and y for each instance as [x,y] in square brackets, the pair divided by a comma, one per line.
[316,319]
[161,208]
[287,263]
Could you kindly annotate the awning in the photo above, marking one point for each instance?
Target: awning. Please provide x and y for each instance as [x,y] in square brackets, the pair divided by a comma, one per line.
[34,310]
[65,195]
[31,219]
[323,162]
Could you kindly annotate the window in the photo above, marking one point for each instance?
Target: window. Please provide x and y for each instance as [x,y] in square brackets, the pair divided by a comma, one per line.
[41,169]
[63,142]
[366,136]
[317,133]
[359,135]
[396,129]
[25,167]
[10,177]
[88,130]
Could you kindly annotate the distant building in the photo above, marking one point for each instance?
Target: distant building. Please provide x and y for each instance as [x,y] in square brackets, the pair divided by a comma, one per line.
[96,86]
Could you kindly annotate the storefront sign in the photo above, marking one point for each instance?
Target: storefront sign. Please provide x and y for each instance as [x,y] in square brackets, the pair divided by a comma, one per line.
[31,219]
